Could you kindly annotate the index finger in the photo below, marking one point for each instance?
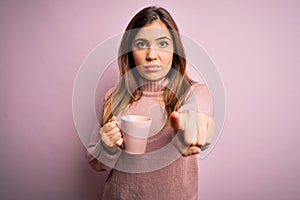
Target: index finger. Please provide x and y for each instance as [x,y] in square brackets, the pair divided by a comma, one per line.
[114,118]
[110,125]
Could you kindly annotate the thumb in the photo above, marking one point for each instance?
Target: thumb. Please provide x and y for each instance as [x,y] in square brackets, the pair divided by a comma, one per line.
[175,120]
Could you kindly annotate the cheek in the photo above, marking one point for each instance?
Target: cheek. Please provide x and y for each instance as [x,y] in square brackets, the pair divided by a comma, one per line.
[167,58]
[138,57]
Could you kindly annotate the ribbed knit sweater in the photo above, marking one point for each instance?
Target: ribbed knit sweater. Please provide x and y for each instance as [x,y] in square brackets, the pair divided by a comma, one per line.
[160,173]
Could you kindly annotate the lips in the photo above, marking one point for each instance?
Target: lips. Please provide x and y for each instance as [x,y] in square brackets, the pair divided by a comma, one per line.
[152,68]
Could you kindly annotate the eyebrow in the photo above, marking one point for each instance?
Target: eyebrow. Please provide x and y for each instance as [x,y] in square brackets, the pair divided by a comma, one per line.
[160,38]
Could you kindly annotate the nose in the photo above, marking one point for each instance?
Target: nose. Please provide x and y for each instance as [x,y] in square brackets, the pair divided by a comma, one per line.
[151,55]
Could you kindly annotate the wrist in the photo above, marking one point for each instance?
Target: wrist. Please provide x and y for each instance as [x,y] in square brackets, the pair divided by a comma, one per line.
[111,150]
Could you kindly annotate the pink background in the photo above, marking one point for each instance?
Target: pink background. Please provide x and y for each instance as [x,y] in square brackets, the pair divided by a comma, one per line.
[255,45]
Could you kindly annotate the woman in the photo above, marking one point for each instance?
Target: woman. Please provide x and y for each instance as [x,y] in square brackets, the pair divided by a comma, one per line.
[152,68]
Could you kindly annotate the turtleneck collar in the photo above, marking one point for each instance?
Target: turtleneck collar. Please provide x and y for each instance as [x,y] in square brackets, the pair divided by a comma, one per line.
[153,86]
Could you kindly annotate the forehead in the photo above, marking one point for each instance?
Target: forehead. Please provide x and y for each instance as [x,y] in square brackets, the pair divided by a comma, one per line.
[156,29]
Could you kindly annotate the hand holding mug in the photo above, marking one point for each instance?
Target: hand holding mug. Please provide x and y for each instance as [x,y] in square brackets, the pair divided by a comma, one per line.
[111,135]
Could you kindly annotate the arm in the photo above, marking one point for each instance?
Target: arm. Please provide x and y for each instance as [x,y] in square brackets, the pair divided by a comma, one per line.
[100,156]
[193,122]
[102,151]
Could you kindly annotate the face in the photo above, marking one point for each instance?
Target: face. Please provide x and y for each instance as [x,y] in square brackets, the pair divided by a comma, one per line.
[153,51]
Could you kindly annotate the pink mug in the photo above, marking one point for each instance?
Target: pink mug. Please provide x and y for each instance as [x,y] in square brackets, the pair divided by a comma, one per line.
[135,130]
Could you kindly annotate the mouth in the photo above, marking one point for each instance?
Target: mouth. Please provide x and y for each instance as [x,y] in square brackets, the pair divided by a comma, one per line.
[152,68]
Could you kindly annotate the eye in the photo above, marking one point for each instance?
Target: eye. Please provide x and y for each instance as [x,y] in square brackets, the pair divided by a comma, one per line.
[163,44]
[141,45]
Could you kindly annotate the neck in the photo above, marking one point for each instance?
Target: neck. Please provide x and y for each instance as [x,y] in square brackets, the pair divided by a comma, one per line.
[153,86]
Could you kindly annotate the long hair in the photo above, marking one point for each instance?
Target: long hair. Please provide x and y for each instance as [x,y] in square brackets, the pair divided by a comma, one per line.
[125,92]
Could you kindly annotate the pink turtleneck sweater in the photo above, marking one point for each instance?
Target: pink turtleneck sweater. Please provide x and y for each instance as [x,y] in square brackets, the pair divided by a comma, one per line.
[160,173]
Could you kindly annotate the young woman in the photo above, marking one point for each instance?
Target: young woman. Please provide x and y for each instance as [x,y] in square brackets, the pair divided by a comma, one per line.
[152,68]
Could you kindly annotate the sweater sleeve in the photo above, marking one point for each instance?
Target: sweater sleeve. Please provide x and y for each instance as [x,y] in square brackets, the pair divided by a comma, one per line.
[98,156]
[199,100]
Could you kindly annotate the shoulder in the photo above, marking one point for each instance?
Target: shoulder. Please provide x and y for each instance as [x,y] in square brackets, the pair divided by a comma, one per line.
[199,90]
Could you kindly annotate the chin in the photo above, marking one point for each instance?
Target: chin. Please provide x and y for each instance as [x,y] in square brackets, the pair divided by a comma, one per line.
[153,78]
